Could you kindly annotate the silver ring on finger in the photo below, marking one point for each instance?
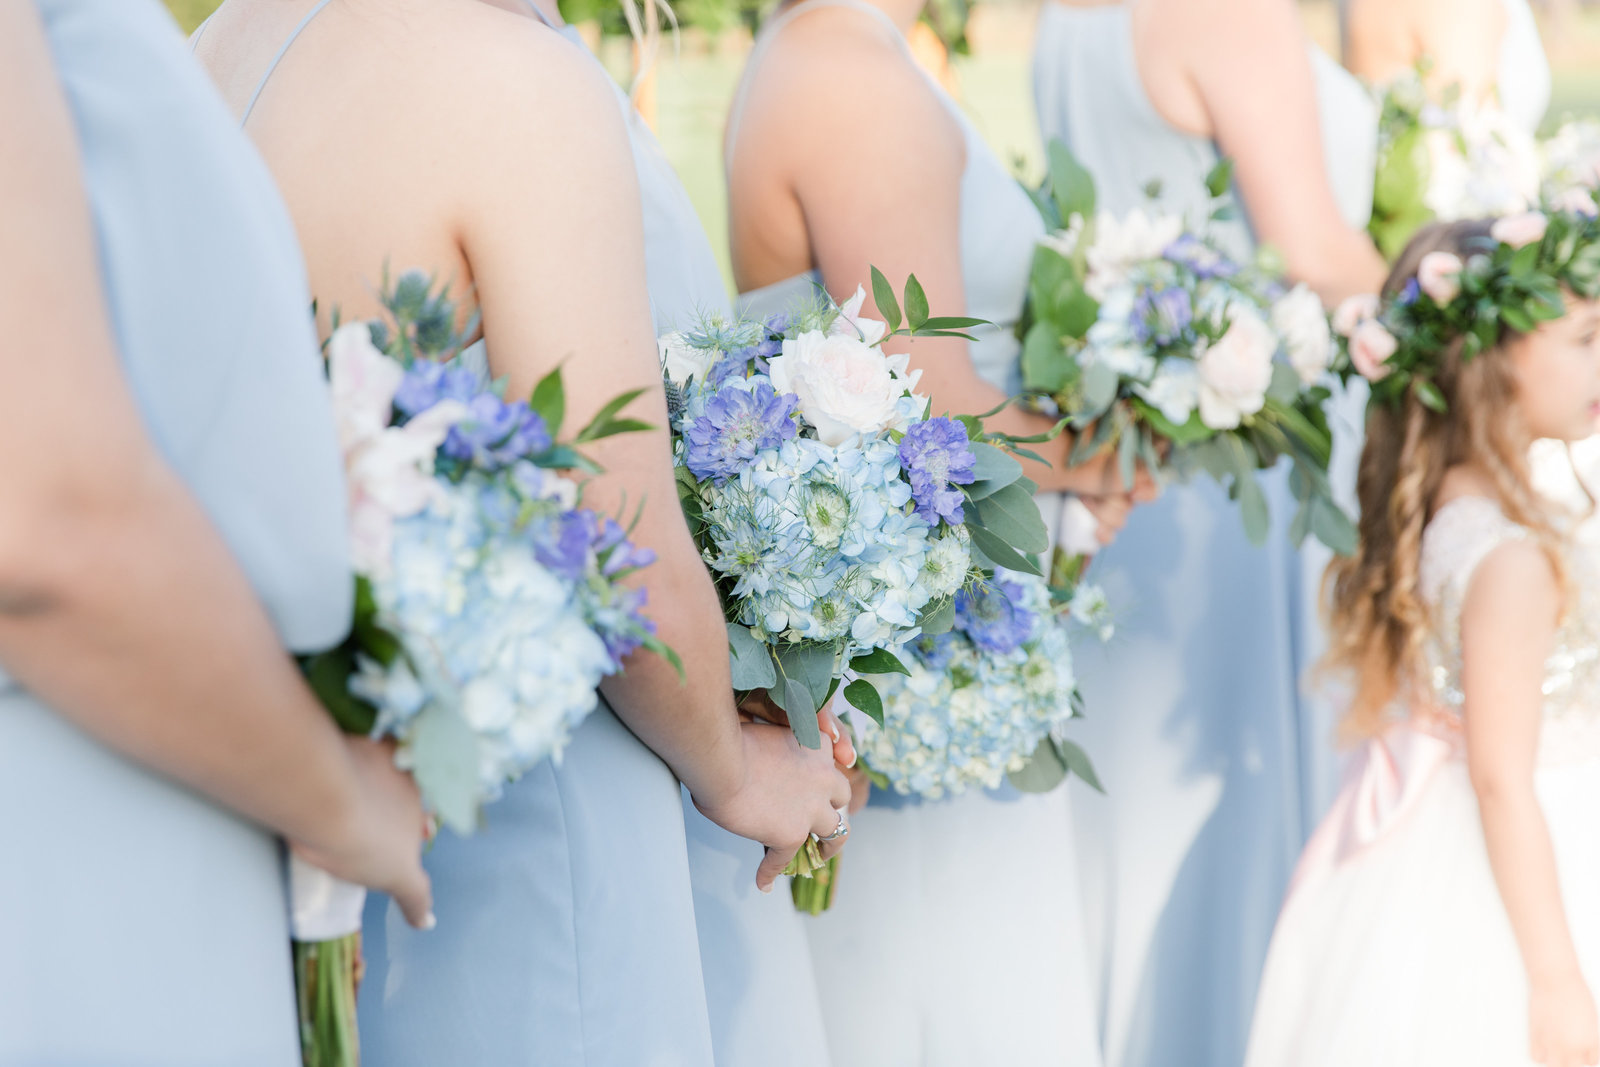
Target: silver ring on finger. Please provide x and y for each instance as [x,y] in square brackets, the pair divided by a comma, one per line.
[840,831]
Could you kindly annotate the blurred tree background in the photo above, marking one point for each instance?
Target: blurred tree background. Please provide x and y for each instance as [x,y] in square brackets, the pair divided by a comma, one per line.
[980,50]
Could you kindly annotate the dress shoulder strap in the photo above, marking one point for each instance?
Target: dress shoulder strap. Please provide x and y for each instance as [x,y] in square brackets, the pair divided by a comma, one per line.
[283,50]
[775,26]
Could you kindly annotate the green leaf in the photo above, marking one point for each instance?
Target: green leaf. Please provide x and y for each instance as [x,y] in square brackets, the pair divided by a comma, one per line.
[1071,184]
[444,761]
[1012,514]
[1516,318]
[1285,385]
[549,401]
[878,661]
[1429,396]
[800,706]
[993,470]
[1128,457]
[1044,770]
[1181,436]
[1077,761]
[998,553]
[1220,179]
[751,660]
[1300,527]
[863,696]
[952,322]
[1333,527]
[328,674]
[883,296]
[607,414]
[1046,368]
[1099,390]
[916,304]
[1253,508]
[805,672]
[938,617]
[612,428]
[1076,311]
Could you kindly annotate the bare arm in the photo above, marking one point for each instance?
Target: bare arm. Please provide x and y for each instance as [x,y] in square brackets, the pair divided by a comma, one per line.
[588,306]
[893,200]
[1507,630]
[120,607]
[1232,50]
[1460,38]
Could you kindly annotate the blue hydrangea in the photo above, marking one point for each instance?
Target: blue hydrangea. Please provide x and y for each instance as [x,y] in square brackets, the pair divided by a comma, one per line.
[993,617]
[738,423]
[937,454]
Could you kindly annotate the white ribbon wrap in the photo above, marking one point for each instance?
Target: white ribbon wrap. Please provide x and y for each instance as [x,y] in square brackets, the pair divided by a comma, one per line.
[1078,526]
[322,907]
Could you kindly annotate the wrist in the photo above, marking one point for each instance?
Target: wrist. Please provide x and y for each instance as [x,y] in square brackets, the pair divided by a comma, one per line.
[721,769]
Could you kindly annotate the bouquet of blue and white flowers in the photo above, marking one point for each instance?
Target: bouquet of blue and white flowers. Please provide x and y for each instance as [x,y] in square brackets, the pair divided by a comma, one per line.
[838,516]
[1152,341]
[489,605]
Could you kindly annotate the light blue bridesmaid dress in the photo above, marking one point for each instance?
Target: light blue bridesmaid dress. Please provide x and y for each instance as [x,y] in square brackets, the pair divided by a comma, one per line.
[139,923]
[1215,763]
[566,925]
[955,938]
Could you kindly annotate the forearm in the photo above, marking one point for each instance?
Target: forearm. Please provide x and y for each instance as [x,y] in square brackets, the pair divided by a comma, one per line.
[1524,865]
[131,619]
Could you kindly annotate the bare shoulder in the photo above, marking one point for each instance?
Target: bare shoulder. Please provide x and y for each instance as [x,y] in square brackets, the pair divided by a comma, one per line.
[842,68]
[1217,26]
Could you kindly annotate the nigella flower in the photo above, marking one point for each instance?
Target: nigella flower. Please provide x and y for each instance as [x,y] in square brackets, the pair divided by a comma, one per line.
[495,434]
[991,614]
[936,453]
[1199,258]
[1160,316]
[428,382]
[738,423]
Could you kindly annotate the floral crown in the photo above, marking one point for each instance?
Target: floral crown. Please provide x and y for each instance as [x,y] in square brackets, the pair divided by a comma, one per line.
[1511,279]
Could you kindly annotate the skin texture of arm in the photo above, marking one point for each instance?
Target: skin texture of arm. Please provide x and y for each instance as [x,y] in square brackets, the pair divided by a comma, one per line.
[1460,38]
[120,606]
[1205,64]
[1507,631]
[888,195]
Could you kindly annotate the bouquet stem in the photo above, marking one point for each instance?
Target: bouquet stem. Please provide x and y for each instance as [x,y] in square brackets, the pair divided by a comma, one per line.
[813,893]
[327,975]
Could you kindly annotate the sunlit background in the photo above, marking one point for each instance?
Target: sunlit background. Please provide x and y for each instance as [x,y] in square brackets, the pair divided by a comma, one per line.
[687,99]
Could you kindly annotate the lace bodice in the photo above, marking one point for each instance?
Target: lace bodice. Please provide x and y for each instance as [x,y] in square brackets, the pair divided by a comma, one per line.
[1459,538]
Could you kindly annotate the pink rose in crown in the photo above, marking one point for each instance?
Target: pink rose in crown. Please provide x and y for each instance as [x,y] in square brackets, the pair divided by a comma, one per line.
[1370,348]
[1520,229]
[1439,275]
[1353,311]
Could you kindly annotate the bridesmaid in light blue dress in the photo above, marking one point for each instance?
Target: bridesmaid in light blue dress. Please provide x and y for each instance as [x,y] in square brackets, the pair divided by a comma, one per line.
[566,925]
[1215,762]
[140,922]
[954,938]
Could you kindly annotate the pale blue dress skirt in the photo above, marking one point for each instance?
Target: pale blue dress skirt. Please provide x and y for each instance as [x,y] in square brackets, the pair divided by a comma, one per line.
[140,924]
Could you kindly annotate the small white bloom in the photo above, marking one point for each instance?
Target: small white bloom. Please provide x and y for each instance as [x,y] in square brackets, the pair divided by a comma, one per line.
[1236,371]
[681,361]
[1299,317]
[1175,390]
[1121,244]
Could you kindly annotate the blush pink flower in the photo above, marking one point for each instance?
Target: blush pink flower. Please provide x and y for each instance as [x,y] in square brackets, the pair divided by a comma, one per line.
[1521,229]
[1371,346]
[1353,311]
[1439,275]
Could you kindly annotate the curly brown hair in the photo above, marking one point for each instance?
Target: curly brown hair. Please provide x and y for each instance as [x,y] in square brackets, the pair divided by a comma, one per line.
[1377,620]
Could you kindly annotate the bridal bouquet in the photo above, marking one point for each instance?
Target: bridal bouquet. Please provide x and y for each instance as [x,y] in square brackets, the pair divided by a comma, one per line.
[1153,342]
[839,518]
[489,605]
[1446,159]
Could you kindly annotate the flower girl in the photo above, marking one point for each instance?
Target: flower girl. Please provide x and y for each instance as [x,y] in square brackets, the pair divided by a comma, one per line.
[1447,912]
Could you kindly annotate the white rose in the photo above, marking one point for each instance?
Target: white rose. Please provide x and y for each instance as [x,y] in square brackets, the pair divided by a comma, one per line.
[1299,317]
[1236,371]
[851,323]
[1175,392]
[845,387]
[1120,244]
[683,362]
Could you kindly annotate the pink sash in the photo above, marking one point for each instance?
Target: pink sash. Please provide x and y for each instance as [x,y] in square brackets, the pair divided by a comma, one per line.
[1381,786]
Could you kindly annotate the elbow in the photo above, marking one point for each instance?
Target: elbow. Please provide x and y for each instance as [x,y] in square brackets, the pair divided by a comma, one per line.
[1498,786]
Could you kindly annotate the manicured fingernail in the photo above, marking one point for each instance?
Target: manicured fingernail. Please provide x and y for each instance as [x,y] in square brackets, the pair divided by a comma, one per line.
[833,729]
[765,888]
[855,757]
[429,921]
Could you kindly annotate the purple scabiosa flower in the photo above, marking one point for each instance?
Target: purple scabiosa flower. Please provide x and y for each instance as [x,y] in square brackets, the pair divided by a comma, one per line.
[562,543]
[936,453]
[737,424]
[495,434]
[990,614]
[1409,294]
[612,546]
[621,622]
[427,382]
[1160,316]
[1199,258]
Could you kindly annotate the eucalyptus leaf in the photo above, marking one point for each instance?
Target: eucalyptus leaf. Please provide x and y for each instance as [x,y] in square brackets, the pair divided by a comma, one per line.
[1012,514]
[938,617]
[1099,390]
[1044,770]
[801,707]
[1046,368]
[444,761]
[1077,761]
[1071,184]
[997,552]
[1333,527]
[750,659]
[1253,509]
[1128,457]
[992,470]
[878,661]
